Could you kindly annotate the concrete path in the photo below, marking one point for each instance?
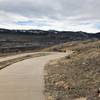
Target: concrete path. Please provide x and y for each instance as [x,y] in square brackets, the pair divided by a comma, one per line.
[15,56]
[24,80]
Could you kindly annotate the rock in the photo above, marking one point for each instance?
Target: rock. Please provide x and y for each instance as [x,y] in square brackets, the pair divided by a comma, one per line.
[66,87]
[50,98]
[60,83]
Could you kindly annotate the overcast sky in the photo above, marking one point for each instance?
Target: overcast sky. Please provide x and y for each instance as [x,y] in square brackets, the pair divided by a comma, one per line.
[68,15]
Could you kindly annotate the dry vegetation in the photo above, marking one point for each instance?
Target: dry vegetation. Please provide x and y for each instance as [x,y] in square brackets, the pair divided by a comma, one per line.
[75,45]
[75,76]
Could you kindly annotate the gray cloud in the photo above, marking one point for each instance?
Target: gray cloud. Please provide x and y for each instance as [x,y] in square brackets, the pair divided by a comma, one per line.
[58,11]
[51,8]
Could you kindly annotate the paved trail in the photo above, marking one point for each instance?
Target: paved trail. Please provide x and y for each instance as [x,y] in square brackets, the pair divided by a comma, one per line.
[15,56]
[24,80]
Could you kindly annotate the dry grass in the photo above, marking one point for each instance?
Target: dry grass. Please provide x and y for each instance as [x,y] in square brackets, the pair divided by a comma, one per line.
[75,76]
[75,46]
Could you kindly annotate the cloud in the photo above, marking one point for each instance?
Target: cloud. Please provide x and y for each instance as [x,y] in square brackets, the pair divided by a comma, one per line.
[50,14]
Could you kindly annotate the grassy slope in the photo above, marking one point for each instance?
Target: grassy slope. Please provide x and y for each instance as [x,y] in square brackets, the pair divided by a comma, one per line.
[74,45]
[77,75]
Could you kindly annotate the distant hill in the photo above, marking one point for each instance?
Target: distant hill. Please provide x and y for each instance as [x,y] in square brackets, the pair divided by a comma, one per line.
[20,40]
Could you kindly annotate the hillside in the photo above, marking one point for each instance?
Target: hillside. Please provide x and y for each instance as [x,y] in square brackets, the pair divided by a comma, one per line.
[74,45]
[23,40]
[77,75]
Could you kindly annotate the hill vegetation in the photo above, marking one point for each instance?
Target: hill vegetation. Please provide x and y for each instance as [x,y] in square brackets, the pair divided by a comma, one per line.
[34,40]
[77,75]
